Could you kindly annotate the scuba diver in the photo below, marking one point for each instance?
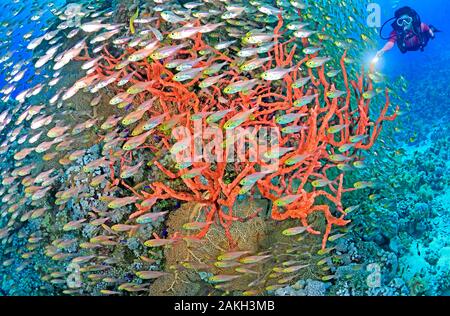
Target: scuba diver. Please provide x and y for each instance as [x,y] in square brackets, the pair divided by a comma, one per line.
[408,32]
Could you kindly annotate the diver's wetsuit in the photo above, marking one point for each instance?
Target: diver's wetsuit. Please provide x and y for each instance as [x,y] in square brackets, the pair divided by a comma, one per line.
[411,40]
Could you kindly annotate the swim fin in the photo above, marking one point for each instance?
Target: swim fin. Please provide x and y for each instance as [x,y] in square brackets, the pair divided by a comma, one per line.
[435,30]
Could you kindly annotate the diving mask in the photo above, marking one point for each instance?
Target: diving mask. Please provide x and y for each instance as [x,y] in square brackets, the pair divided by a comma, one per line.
[404,21]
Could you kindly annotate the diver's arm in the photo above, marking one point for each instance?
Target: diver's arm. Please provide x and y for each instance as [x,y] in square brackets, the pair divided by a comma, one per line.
[389,45]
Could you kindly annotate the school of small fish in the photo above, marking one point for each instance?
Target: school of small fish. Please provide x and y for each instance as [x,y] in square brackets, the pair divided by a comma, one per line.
[91,97]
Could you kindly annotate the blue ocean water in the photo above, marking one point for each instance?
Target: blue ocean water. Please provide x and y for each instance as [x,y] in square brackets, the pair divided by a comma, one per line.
[421,146]
[427,71]
[422,137]
[22,24]
[434,13]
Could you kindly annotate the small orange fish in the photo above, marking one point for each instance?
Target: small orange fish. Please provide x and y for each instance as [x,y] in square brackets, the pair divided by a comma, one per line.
[57,131]
[254,259]
[150,217]
[123,227]
[134,142]
[73,225]
[120,202]
[146,275]
[133,117]
[196,225]
[23,153]
[159,242]
[223,278]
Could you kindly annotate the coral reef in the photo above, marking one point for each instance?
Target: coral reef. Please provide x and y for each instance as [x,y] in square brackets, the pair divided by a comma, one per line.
[402,227]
